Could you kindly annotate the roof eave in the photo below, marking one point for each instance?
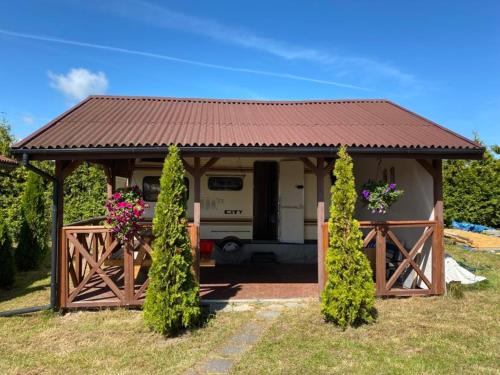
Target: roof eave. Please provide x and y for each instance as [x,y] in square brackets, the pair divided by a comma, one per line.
[95,153]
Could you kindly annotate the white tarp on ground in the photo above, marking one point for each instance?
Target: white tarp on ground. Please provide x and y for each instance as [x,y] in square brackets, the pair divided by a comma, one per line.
[455,272]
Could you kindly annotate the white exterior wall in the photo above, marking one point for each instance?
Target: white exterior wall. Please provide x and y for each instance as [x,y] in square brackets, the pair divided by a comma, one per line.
[417,200]
[416,203]
[235,208]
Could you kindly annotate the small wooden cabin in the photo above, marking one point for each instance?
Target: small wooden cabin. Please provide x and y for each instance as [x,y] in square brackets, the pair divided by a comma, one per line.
[258,175]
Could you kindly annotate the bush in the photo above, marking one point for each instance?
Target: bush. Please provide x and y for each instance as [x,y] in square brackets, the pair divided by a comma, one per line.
[84,193]
[472,190]
[34,233]
[11,185]
[349,295]
[172,298]
[7,266]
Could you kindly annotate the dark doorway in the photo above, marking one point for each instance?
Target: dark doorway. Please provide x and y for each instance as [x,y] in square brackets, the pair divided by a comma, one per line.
[265,200]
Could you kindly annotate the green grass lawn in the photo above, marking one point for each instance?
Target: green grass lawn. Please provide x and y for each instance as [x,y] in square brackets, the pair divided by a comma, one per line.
[412,335]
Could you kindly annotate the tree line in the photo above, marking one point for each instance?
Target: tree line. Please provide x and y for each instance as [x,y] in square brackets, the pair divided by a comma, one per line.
[25,209]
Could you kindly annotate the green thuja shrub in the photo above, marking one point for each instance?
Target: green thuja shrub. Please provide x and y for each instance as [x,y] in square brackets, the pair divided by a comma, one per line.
[349,295]
[7,266]
[33,236]
[172,299]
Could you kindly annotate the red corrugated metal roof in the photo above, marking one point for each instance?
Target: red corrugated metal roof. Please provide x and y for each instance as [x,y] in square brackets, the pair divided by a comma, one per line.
[115,121]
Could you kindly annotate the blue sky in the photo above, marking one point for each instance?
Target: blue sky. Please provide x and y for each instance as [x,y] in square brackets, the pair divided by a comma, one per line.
[438,58]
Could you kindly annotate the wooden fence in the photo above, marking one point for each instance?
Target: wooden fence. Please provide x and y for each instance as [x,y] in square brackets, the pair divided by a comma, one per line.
[96,270]
[406,263]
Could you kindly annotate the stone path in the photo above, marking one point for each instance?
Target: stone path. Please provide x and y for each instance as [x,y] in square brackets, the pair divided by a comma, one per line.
[222,360]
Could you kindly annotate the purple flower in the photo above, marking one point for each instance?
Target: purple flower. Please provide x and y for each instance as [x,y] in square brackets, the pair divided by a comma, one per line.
[366,194]
[392,186]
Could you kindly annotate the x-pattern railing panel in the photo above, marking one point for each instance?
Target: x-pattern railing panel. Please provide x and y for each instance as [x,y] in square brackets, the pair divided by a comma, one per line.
[95,266]
[409,257]
[384,232]
[87,264]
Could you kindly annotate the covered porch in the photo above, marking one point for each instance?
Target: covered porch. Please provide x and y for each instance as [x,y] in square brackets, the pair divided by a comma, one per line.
[97,271]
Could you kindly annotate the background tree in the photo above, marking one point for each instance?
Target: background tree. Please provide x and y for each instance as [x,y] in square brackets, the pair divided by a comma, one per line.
[7,266]
[472,189]
[172,299]
[349,294]
[34,232]
[11,184]
[84,193]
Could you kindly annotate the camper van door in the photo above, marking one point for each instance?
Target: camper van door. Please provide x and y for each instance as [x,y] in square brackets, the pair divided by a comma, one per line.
[291,201]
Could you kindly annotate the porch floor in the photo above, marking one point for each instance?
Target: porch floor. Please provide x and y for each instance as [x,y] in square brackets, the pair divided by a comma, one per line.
[222,282]
[259,281]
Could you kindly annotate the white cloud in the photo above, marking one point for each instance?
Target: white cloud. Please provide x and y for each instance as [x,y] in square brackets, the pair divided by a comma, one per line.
[28,119]
[79,83]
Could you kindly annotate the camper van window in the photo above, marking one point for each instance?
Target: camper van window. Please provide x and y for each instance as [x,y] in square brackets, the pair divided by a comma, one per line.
[151,188]
[225,183]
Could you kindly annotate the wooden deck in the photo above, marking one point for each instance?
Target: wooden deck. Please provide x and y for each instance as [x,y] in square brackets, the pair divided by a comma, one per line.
[229,282]
[259,281]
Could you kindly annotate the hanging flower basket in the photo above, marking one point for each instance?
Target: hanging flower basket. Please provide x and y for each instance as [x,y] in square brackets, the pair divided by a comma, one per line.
[125,209]
[379,196]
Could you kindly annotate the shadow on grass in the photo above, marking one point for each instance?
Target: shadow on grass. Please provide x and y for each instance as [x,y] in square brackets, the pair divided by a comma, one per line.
[24,283]
[206,316]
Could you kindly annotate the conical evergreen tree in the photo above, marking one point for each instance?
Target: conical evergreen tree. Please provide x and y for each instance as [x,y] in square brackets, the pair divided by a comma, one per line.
[33,236]
[172,299]
[349,295]
[7,266]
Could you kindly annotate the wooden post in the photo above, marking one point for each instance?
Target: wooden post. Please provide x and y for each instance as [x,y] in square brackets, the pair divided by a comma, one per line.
[194,238]
[320,218]
[110,181]
[109,171]
[128,273]
[197,212]
[130,171]
[326,244]
[438,282]
[380,259]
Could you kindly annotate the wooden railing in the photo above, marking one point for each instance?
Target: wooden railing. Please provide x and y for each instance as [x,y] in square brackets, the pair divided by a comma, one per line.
[96,270]
[402,273]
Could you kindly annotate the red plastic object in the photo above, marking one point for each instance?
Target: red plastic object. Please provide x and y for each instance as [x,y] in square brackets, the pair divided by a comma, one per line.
[206,246]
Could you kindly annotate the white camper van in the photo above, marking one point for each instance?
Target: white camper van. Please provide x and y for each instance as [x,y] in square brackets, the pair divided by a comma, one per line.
[260,205]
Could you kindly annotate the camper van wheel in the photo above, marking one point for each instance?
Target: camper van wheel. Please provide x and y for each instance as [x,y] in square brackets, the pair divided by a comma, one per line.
[229,244]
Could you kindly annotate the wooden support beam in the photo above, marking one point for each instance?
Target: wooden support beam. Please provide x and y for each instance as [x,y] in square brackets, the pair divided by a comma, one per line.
[427,166]
[70,168]
[438,281]
[187,167]
[320,218]
[207,165]
[329,167]
[309,164]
